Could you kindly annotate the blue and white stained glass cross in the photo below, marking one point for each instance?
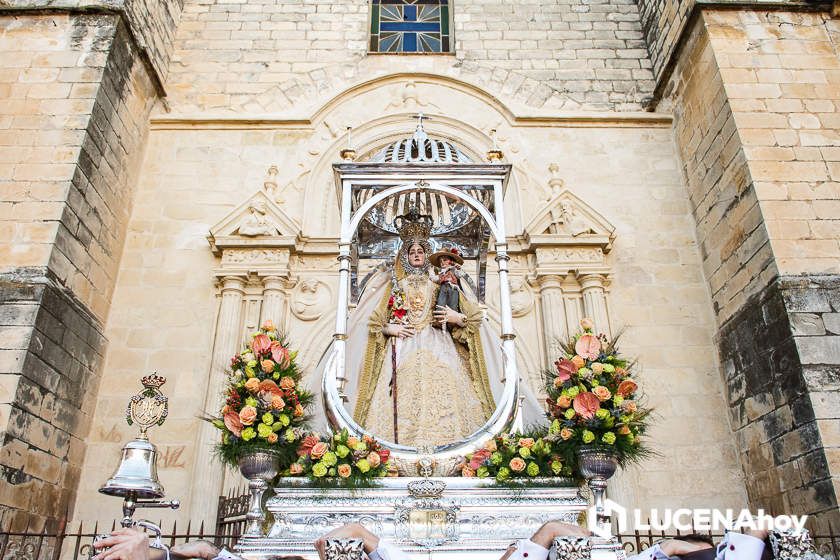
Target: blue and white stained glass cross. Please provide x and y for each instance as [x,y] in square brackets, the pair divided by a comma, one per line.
[419,26]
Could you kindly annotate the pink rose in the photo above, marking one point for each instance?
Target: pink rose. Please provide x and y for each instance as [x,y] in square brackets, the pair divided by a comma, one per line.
[344,470]
[374,459]
[260,345]
[233,423]
[517,464]
[602,393]
[318,450]
[565,369]
[478,458]
[586,404]
[588,346]
[247,415]
[306,445]
[587,324]
[295,468]
[280,354]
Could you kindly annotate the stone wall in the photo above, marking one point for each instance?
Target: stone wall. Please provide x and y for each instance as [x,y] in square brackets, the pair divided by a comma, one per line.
[759,168]
[72,127]
[152,23]
[273,56]
[663,22]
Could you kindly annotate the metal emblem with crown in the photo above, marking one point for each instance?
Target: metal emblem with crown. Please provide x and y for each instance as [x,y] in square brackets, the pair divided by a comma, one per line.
[136,479]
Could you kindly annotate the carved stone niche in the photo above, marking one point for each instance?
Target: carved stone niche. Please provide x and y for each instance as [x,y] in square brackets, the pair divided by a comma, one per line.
[569,235]
[256,237]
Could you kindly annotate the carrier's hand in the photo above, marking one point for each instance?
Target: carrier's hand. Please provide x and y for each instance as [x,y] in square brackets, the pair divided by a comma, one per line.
[445,314]
[402,331]
[124,544]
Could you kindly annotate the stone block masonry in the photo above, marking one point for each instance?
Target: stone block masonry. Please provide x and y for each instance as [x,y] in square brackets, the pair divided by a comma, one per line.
[74,108]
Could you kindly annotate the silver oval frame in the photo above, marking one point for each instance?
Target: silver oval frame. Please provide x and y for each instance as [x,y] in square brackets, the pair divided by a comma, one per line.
[443,179]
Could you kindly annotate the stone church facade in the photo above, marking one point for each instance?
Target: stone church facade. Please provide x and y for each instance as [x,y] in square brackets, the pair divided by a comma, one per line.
[676,176]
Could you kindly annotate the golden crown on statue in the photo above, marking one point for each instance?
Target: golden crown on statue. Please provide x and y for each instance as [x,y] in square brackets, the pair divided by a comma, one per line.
[413,226]
[153,381]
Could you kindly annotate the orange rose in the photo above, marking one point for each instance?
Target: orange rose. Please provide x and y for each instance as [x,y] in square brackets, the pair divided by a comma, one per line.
[225,409]
[280,354]
[579,362]
[298,410]
[233,423]
[344,470]
[629,406]
[374,459]
[564,401]
[295,468]
[267,366]
[272,438]
[268,325]
[467,471]
[620,372]
[526,442]
[491,446]
[367,439]
[277,402]
[287,383]
[352,441]
[566,434]
[627,388]
[517,464]
[602,393]
[260,345]
[597,368]
[318,450]
[252,385]
[623,430]
[247,415]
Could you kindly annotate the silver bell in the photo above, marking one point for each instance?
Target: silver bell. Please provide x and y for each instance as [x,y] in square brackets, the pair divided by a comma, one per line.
[137,472]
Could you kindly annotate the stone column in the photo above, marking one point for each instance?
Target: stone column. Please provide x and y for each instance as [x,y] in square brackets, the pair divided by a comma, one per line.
[595,301]
[274,302]
[553,315]
[208,475]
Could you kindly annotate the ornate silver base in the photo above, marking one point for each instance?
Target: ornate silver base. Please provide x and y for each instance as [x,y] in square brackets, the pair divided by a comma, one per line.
[433,517]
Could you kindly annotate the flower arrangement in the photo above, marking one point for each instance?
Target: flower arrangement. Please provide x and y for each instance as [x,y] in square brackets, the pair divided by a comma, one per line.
[264,406]
[340,455]
[515,456]
[396,306]
[594,400]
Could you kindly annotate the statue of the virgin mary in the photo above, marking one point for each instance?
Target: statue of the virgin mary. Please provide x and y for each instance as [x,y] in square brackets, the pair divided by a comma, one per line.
[424,377]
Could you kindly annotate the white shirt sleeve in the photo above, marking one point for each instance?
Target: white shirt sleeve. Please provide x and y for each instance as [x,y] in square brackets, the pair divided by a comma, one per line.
[652,553]
[526,549]
[225,554]
[387,551]
[738,546]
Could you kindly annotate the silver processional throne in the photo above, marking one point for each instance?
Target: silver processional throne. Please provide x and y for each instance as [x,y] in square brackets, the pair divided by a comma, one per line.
[465,201]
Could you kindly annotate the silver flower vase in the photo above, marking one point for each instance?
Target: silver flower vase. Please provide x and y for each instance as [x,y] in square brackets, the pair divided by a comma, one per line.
[597,465]
[258,467]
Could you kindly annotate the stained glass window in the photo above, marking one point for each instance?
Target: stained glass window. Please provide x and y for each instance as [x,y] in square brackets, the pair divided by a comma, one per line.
[407,26]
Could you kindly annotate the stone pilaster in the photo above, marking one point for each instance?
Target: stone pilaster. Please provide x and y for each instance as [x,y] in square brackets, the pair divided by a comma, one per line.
[275,302]
[208,474]
[553,312]
[595,301]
